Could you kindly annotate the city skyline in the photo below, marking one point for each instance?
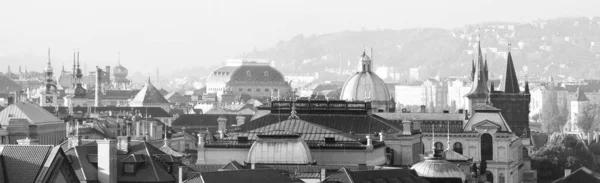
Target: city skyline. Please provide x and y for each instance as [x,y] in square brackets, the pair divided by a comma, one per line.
[207,33]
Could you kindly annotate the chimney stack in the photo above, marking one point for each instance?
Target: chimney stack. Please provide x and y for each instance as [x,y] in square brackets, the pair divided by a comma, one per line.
[182,174]
[323,174]
[369,142]
[97,92]
[222,124]
[123,143]
[406,129]
[107,161]
[423,109]
[567,172]
[240,120]
[381,136]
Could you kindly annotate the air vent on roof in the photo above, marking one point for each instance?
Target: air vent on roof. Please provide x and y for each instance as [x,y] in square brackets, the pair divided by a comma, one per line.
[329,140]
[242,140]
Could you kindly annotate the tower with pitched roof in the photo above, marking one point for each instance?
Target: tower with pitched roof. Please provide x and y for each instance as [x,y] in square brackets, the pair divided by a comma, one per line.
[479,92]
[578,104]
[513,103]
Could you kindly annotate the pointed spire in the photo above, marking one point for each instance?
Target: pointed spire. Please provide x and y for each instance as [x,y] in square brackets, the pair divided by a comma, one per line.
[492,87]
[511,84]
[77,58]
[119,58]
[580,95]
[527,87]
[293,113]
[8,70]
[473,69]
[479,88]
[48,55]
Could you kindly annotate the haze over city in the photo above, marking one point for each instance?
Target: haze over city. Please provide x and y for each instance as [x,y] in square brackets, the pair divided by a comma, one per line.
[180,34]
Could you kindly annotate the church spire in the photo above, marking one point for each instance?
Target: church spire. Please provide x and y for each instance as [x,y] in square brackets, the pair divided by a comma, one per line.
[580,95]
[365,62]
[479,88]
[473,69]
[511,84]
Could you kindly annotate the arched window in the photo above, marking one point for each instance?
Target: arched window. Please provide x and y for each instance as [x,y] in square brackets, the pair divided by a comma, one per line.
[458,147]
[248,73]
[439,147]
[266,73]
[487,147]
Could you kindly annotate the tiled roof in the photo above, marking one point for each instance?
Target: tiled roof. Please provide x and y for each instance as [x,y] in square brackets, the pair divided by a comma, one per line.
[422,116]
[345,175]
[148,95]
[176,97]
[150,111]
[582,174]
[205,167]
[359,123]
[241,176]
[23,163]
[34,114]
[257,75]
[233,165]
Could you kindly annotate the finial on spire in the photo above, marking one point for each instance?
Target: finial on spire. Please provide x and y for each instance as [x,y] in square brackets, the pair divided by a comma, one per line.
[119,58]
[293,113]
[77,58]
[509,46]
[48,55]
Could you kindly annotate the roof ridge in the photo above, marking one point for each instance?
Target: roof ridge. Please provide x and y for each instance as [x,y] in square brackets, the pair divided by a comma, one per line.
[152,163]
[43,162]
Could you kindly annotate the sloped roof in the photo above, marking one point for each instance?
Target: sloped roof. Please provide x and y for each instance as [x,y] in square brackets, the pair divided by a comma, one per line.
[350,123]
[511,84]
[206,120]
[176,97]
[582,174]
[345,175]
[240,176]
[34,114]
[482,118]
[422,116]
[148,95]
[23,163]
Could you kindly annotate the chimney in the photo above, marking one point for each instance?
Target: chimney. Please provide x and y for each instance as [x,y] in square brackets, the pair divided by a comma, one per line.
[97,92]
[466,114]
[182,174]
[423,109]
[406,130]
[123,143]
[221,135]
[74,141]
[222,124]
[107,161]
[323,174]
[417,125]
[240,120]
[27,141]
[369,142]
[381,136]
[201,140]
[253,166]
[567,172]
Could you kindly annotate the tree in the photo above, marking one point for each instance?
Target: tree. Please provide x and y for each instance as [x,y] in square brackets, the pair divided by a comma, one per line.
[552,117]
[562,151]
[589,118]
[536,117]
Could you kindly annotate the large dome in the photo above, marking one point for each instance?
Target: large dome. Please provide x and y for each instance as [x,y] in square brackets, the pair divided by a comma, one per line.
[120,72]
[438,168]
[365,85]
[256,73]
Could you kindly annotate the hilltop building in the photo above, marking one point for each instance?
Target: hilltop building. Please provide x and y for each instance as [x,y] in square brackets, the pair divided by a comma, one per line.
[365,85]
[257,80]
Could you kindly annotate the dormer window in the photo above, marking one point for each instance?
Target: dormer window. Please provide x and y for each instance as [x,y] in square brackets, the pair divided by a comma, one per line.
[266,73]
[248,73]
[129,168]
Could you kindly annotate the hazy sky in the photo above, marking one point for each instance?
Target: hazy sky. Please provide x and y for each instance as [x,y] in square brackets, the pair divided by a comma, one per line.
[178,34]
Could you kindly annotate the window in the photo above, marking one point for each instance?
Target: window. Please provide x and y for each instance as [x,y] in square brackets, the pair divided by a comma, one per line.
[458,147]
[258,89]
[439,147]
[487,148]
[266,73]
[248,73]
[241,89]
[129,168]
[266,90]
[249,89]
[275,90]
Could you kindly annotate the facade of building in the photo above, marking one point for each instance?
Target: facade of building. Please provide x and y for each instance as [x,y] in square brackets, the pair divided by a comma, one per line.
[365,85]
[258,80]
[26,120]
[577,106]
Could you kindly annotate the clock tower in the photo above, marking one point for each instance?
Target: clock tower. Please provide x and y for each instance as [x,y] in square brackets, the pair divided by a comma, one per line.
[49,96]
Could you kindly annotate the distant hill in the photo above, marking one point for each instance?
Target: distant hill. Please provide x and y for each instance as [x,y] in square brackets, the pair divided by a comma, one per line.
[567,46]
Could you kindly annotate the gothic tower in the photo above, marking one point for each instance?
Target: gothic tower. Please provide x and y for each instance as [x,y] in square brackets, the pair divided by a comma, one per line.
[577,106]
[479,92]
[513,103]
